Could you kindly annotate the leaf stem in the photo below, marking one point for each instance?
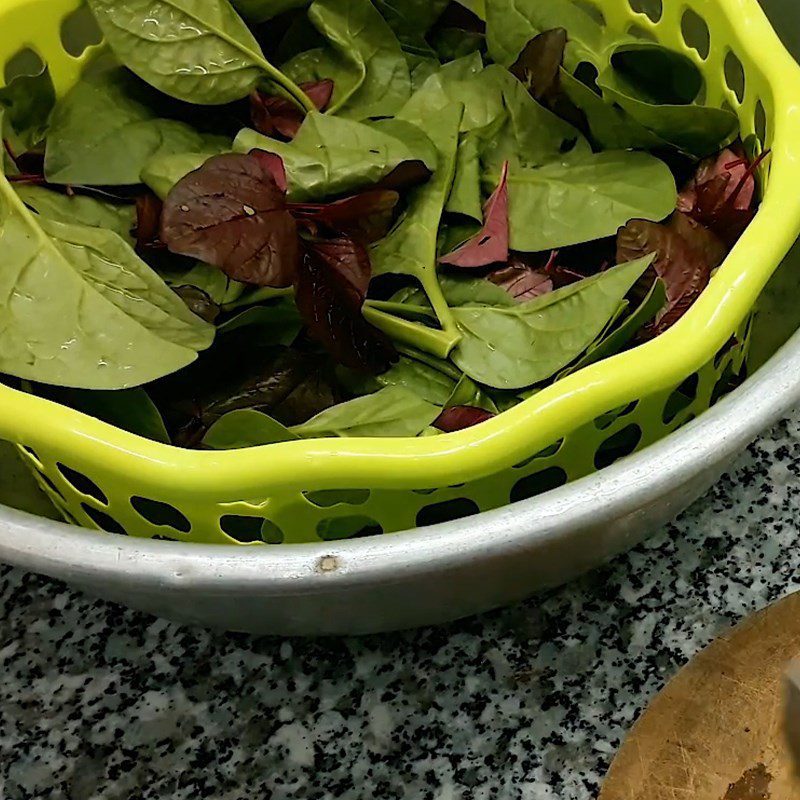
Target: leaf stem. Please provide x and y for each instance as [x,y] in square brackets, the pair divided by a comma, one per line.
[285,82]
[430,283]
[403,309]
[438,343]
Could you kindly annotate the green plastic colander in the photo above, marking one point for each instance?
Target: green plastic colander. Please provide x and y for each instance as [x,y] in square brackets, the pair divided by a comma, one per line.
[102,477]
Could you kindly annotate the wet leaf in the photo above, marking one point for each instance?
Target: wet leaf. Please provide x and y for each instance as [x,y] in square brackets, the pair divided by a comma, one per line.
[489,245]
[232,214]
[246,428]
[686,253]
[458,418]
[330,290]
[521,281]
[198,302]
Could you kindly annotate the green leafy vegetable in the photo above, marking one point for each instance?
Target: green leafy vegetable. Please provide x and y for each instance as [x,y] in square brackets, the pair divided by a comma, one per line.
[392,411]
[86,337]
[162,172]
[658,89]
[434,384]
[521,345]
[27,102]
[262,10]
[104,132]
[246,428]
[364,60]
[118,218]
[333,156]
[411,20]
[276,323]
[129,409]
[586,198]
[199,51]
[410,248]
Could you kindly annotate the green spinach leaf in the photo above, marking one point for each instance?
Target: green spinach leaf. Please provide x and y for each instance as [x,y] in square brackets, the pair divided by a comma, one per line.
[364,59]
[103,132]
[393,411]
[129,409]
[519,346]
[244,428]
[112,268]
[262,10]
[199,51]
[27,102]
[657,88]
[334,156]
[276,323]
[60,328]
[615,340]
[410,248]
[423,379]
[585,198]
[511,24]
[81,209]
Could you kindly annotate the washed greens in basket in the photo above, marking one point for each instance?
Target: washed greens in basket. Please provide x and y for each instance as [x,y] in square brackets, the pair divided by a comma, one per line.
[265,220]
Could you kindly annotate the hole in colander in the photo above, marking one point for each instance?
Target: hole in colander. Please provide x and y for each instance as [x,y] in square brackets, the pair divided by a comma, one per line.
[51,486]
[158,513]
[103,521]
[333,497]
[80,30]
[447,511]
[695,33]
[621,444]
[760,124]
[594,11]
[538,483]
[681,398]
[587,74]
[734,75]
[548,452]
[25,62]
[424,491]
[251,529]
[638,32]
[356,526]
[32,453]
[82,484]
[605,421]
[728,381]
[650,8]
[160,538]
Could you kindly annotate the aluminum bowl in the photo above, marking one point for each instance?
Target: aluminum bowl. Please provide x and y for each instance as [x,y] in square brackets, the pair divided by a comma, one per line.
[419,577]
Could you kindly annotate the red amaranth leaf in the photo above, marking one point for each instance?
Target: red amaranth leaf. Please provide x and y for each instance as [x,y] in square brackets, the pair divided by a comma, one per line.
[722,194]
[686,255]
[273,163]
[538,65]
[148,222]
[490,244]
[273,114]
[366,217]
[330,289]
[231,213]
[458,418]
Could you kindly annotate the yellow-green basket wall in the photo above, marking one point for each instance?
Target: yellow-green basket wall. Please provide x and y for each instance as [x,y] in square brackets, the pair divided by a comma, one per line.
[101,477]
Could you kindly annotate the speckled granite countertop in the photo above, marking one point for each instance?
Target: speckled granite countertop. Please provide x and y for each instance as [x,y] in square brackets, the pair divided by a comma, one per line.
[100,702]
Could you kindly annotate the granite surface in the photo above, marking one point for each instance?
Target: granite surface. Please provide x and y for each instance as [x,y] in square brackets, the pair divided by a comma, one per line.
[100,702]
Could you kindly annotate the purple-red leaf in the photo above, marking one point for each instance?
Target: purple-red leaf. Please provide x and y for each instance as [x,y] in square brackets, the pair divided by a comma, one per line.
[330,289]
[538,66]
[366,216]
[232,214]
[722,194]
[273,164]
[522,282]
[274,114]
[686,255]
[490,244]
[148,222]
[458,418]
[405,175]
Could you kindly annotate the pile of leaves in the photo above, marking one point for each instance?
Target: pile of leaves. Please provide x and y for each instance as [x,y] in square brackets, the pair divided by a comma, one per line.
[352,217]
